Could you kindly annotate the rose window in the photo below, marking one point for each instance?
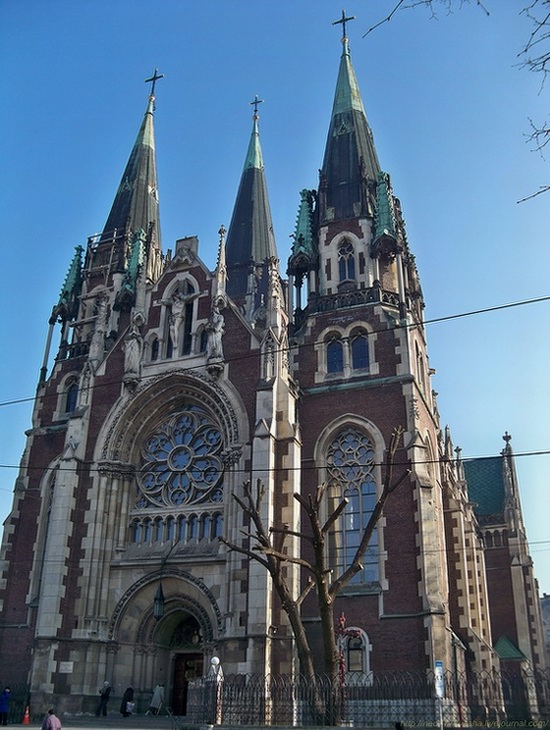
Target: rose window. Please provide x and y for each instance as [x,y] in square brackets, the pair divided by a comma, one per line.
[181,461]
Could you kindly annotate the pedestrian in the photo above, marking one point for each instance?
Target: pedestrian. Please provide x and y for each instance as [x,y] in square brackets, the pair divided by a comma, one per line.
[104,694]
[5,698]
[156,700]
[51,721]
[127,704]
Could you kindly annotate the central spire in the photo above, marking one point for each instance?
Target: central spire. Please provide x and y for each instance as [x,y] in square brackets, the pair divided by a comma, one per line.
[250,239]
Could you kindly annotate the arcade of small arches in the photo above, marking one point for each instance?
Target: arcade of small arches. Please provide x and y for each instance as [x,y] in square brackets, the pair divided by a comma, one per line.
[184,529]
[496,538]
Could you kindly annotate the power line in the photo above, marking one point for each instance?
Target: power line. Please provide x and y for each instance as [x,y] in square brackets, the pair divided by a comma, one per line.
[245,356]
[86,466]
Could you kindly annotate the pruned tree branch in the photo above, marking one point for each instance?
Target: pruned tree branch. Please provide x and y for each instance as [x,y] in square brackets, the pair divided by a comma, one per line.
[269,551]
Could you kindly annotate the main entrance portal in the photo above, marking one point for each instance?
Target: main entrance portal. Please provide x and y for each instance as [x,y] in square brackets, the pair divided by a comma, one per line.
[186,668]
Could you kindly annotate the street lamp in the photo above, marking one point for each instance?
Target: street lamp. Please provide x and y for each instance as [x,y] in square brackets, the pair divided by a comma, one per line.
[158,601]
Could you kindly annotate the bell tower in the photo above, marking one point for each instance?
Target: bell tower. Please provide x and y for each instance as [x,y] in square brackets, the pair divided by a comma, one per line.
[362,367]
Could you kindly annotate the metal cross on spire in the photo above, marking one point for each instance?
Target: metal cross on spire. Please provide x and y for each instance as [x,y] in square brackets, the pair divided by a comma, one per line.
[343,20]
[255,105]
[154,78]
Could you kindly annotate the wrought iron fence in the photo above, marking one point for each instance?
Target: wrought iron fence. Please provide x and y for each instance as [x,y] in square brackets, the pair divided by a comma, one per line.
[373,700]
[18,701]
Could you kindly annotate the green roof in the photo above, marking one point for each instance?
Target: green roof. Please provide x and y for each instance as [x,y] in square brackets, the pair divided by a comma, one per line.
[506,649]
[485,484]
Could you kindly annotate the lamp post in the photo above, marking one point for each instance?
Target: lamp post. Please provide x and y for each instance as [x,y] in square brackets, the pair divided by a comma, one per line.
[158,601]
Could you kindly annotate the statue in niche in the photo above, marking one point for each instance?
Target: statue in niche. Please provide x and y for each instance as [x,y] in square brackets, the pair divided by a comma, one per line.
[97,344]
[132,347]
[176,318]
[215,329]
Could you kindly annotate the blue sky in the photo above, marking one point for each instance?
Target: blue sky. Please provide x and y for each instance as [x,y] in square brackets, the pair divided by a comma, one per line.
[449,105]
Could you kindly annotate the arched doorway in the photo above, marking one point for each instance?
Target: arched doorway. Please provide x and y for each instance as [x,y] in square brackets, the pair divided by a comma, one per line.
[187,660]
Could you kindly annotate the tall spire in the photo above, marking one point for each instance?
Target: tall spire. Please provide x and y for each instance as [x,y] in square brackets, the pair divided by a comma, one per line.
[136,202]
[250,239]
[350,160]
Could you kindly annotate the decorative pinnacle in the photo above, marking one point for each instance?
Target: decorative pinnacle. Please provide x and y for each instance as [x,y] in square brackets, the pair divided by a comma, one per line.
[255,105]
[154,78]
[343,20]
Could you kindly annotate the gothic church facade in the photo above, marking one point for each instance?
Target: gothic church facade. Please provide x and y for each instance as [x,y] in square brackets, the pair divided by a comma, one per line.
[173,384]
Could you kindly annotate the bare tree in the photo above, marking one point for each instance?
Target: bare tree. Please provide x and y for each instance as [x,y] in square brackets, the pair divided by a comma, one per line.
[266,545]
[534,56]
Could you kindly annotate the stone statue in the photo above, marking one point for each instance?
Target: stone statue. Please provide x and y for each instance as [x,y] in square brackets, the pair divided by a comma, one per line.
[176,318]
[132,350]
[215,328]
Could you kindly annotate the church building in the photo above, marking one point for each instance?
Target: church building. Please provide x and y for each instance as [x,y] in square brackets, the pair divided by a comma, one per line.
[172,385]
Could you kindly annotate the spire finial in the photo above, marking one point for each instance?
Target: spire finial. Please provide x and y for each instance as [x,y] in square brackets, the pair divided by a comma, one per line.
[343,20]
[255,104]
[154,78]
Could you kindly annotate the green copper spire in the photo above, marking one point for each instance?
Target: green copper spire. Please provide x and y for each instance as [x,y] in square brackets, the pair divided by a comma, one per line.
[350,163]
[303,234]
[126,296]
[385,216]
[250,239]
[136,202]
[254,154]
[347,94]
[67,305]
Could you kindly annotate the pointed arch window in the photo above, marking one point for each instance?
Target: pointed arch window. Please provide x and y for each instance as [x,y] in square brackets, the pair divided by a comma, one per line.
[154,349]
[192,528]
[346,261]
[335,356]
[217,525]
[203,339]
[420,368]
[71,398]
[350,464]
[359,351]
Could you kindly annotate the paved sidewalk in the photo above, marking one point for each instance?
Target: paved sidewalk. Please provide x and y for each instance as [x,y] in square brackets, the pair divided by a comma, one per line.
[114,722]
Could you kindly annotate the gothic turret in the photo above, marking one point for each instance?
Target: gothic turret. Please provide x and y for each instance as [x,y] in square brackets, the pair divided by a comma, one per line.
[250,239]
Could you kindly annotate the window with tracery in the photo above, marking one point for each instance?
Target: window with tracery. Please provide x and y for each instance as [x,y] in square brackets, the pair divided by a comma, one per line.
[181,461]
[346,261]
[350,466]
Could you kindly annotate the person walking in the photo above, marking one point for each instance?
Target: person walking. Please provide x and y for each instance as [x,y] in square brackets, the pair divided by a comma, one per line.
[104,694]
[127,704]
[5,698]
[156,700]
[51,721]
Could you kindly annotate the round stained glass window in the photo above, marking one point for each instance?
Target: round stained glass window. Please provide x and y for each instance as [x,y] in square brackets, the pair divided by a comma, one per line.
[181,461]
